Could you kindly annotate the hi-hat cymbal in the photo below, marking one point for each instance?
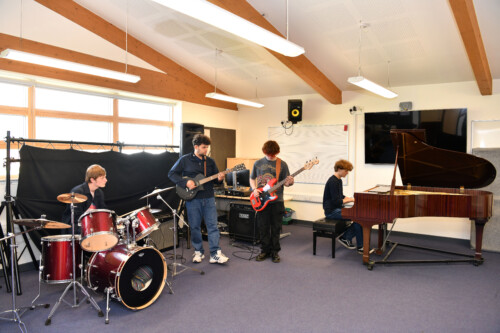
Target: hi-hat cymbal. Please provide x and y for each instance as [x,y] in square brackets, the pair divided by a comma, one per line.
[41,222]
[72,197]
[155,192]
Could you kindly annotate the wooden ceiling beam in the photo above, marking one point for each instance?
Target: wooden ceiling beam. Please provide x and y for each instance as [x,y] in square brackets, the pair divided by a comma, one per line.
[152,82]
[465,16]
[192,87]
[300,65]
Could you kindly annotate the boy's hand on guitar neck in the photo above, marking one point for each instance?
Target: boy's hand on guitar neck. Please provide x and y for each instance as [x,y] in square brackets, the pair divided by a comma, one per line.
[220,176]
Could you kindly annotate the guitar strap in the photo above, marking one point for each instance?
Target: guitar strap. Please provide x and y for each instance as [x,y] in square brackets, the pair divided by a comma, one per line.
[278,168]
[205,172]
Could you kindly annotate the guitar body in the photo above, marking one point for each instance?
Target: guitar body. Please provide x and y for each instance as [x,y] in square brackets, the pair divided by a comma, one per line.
[261,202]
[187,194]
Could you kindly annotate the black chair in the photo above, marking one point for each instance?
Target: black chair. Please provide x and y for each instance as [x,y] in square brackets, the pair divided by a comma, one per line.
[327,228]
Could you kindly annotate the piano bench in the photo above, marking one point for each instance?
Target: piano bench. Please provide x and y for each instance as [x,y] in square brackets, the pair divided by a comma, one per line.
[327,228]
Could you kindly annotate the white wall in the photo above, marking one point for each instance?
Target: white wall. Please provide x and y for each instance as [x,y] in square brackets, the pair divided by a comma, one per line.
[253,125]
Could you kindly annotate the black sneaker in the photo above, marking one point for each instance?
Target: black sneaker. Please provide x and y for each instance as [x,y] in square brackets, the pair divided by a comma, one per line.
[262,256]
[346,243]
[276,258]
[360,250]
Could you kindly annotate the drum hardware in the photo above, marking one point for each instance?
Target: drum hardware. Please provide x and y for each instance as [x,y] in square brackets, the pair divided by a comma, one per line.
[74,284]
[18,312]
[175,264]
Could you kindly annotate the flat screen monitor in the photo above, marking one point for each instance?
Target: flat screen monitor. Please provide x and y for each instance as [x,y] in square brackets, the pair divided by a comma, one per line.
[242,178]
[444,128]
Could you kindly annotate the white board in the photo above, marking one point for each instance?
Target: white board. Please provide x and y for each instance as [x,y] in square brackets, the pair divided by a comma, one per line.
[328,143]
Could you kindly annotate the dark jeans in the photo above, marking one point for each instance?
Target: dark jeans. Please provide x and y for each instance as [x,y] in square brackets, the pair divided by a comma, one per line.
[354,230]
[269,221]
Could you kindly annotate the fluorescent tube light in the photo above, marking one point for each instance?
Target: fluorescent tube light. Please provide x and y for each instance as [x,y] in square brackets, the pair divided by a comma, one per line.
[67,65]
[232,99]
[211,14]
[371,86]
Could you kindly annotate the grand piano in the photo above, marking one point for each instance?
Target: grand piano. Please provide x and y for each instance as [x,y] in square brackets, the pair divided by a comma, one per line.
[436,182]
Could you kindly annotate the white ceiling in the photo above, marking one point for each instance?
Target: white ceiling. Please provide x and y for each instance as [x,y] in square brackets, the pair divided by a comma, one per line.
[408,42]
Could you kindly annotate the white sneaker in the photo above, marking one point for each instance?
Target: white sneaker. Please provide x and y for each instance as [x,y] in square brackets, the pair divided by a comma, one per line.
[198,257]
[218,258]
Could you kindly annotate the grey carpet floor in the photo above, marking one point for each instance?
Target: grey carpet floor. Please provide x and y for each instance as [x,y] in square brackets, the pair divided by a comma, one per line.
[303,293]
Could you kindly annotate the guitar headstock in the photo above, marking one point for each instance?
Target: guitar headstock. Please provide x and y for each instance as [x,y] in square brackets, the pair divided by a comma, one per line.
[311,163]
[239,167]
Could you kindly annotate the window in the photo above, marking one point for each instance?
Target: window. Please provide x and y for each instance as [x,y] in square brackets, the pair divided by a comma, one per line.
[58,100]
[64,115]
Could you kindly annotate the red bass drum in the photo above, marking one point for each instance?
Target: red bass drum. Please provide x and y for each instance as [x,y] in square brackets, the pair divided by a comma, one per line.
[136,275]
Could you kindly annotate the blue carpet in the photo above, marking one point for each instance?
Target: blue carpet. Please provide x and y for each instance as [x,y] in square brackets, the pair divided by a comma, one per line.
[303,293]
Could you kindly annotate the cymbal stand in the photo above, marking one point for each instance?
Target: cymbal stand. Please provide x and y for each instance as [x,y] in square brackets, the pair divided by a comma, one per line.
[74,284]
[175,264]
[17,312]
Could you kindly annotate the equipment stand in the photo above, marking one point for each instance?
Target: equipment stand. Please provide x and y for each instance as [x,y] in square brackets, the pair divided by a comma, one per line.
[74,284]
[175,264]
[16,312]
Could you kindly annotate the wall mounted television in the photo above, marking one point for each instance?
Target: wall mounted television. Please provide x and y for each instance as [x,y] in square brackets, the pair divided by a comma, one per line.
[444,128]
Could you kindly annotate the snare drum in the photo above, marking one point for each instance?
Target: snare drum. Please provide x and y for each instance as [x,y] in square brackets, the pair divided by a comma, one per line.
[98,230]
[56,263]
[136,275]
[146,222]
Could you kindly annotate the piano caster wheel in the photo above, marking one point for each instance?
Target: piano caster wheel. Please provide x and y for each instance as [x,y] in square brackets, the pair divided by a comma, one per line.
[370,265]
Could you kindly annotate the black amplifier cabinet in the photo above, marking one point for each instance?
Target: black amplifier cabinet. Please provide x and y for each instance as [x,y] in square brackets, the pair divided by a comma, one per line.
[242,223]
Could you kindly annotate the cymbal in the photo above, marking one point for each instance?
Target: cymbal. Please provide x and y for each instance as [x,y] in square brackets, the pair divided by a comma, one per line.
[155,192]
[155,210]
[72,197]
[46,224]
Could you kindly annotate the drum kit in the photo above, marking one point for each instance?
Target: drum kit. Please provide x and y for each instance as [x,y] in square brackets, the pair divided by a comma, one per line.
[106,255]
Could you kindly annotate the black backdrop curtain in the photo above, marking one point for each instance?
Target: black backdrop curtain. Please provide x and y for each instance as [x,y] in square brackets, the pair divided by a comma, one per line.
[46,173]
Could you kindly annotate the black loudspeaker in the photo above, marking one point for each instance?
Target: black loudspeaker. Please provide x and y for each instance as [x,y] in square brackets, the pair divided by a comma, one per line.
[242,223]
[188,131]
[163,237]
[294,110]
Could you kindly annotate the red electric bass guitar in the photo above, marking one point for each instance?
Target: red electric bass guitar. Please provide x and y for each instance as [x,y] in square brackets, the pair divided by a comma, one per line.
[267,192]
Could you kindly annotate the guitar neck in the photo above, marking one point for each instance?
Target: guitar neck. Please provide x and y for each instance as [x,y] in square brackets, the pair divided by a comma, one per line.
[206,180]
[278,185]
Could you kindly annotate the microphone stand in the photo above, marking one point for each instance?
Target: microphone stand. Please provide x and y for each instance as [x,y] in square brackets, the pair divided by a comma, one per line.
[175,264]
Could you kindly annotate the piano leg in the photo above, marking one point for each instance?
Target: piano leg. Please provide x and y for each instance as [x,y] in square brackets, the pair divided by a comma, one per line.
[478,258]
[366,246]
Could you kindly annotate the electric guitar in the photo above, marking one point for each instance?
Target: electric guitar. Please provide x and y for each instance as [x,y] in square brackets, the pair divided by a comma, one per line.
[267,192]
[187,194]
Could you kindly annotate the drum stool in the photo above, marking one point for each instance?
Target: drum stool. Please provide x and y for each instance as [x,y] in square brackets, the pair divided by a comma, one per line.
[328,228]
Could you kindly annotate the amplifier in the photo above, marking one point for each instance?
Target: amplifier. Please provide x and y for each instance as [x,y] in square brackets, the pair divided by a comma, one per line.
[163,237]
[242,223]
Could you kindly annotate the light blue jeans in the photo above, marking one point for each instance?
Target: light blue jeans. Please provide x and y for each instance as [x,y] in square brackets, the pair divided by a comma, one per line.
[205,209]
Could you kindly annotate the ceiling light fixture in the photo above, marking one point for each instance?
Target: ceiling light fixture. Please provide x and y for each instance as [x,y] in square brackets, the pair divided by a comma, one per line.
[363,82]
[220,18]
[67,65]
[227,98]
[232,99]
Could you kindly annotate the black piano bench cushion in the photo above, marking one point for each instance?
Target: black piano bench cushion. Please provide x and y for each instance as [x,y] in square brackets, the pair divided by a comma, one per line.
[328,228]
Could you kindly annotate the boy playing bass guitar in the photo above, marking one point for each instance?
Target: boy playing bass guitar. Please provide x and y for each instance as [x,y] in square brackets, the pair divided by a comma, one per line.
[269,219]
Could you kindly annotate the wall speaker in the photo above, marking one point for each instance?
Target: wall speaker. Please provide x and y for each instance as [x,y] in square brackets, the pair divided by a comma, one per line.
[242,223]
[188,131]
[294,110]
[163,237]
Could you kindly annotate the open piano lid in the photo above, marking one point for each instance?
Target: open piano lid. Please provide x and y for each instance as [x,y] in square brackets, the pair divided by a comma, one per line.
[423,165]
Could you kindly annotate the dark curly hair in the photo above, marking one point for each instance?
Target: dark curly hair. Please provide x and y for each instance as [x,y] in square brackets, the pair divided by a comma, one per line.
[201,139]
[271,148]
